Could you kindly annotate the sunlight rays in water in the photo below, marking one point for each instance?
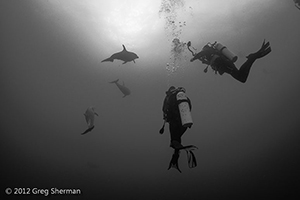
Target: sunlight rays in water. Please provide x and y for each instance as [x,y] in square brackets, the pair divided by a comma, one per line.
[131,21]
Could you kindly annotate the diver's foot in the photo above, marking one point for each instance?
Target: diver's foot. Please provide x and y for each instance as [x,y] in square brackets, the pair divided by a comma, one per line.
[263,51]
[176,145]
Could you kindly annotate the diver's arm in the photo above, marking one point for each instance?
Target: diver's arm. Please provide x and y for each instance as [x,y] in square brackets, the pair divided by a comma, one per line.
[205,54]
[165,109]
[198,56]
[189,102]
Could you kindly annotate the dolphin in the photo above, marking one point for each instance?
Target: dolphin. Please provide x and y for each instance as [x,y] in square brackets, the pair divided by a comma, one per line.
[124,55]
[123,88]
[89,118]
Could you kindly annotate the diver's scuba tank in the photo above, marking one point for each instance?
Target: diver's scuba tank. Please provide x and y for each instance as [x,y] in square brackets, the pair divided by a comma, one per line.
[228,54]
[184,109]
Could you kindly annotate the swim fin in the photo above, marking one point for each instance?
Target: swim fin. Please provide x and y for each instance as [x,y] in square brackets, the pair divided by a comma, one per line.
[192,162]
[174,161]
[263,51]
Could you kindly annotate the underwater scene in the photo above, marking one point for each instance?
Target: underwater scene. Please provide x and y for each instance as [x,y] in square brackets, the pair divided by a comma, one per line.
[150,99]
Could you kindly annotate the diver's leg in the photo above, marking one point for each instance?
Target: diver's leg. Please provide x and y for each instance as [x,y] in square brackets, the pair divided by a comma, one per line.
[229,67]
[174,161]
[225,65]
[176,131]
[243,72]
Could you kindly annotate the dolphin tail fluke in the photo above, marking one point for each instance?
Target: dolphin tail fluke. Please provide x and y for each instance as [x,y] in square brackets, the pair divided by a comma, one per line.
[114,81]
[88,130]
[110,59]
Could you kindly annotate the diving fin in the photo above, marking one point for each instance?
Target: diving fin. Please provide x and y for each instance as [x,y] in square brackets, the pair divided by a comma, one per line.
[174,161]
[192,162]
[263,51]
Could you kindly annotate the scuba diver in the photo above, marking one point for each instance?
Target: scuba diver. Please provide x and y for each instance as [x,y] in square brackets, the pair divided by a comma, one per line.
[176,111]
[222,60]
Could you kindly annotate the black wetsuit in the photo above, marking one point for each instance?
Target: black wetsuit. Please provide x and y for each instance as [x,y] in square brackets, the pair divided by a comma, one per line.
[172,116]
[221,64]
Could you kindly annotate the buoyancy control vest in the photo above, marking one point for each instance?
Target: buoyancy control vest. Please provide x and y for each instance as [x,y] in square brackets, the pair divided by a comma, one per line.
[219,51]
[179,108]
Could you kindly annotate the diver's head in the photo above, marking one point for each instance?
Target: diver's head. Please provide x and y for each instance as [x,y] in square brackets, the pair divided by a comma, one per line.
[206,47]
[170,90]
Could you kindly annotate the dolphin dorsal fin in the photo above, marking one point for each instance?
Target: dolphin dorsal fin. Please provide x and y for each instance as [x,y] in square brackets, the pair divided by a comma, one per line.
[124,48]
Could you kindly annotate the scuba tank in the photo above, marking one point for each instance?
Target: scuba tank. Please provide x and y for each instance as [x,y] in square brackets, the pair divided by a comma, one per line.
[184,109]
[228,54]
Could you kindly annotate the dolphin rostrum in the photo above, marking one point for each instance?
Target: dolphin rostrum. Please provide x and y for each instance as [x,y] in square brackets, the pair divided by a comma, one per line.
[89,118]
[124,55]
[123,88]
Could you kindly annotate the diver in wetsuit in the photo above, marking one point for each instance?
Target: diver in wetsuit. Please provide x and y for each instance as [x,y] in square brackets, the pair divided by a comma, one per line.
[220,63]
[171,115]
